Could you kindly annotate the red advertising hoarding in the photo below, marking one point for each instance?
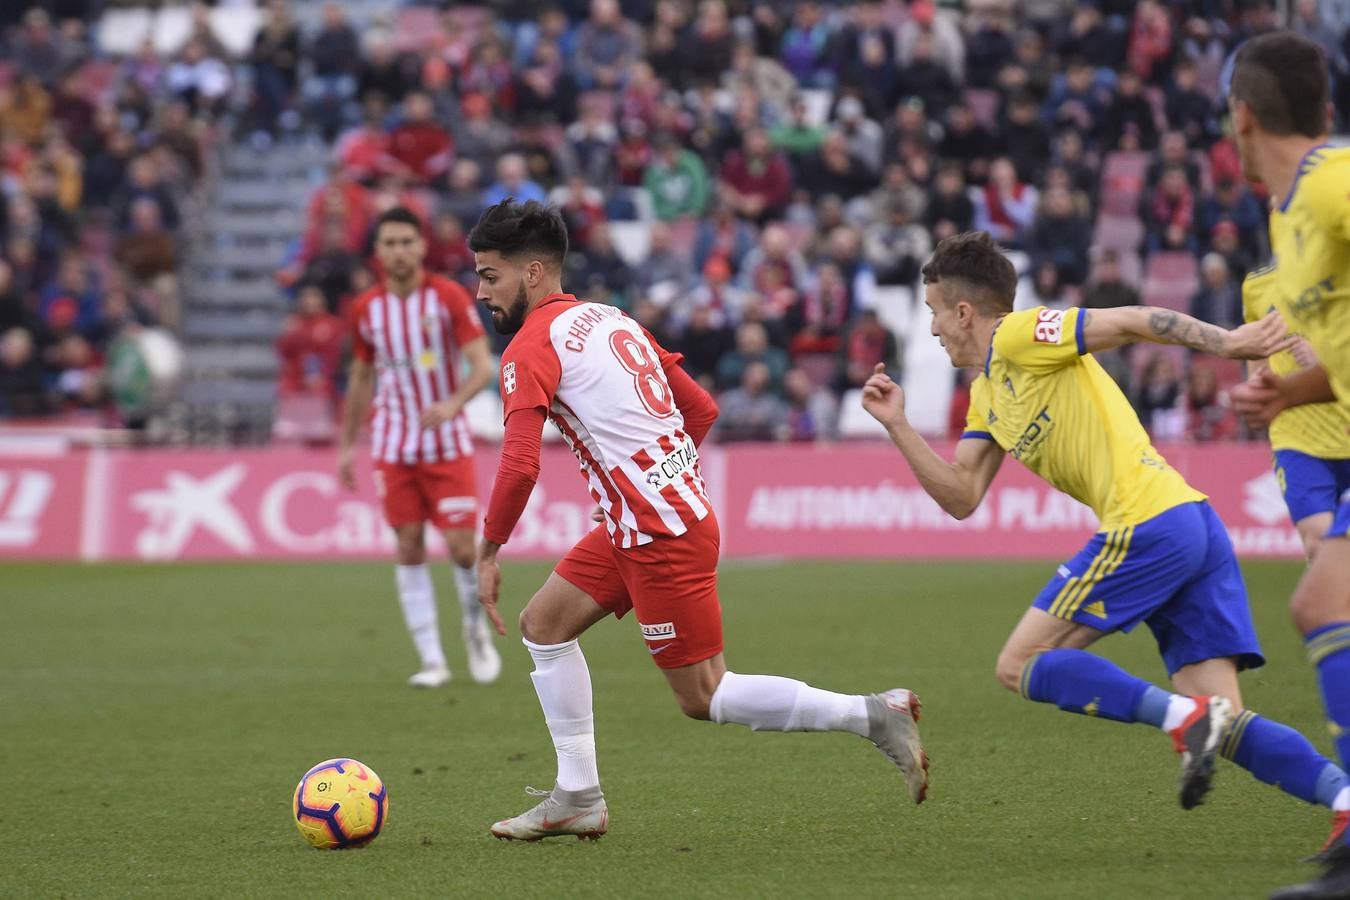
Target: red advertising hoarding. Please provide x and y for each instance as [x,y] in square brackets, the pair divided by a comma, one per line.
[835,501]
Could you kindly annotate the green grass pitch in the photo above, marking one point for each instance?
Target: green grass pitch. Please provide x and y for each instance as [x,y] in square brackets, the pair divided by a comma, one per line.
[155,720]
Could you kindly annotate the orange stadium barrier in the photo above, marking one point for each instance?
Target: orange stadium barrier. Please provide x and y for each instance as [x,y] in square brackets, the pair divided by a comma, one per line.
[807,501]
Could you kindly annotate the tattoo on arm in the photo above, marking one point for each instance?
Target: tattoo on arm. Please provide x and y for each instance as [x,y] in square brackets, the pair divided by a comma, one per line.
[1174,328]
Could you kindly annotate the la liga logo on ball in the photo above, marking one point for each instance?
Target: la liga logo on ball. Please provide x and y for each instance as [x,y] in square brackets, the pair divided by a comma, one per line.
[340,804]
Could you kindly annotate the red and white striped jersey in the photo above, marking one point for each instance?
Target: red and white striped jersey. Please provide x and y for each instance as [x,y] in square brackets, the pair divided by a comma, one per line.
[414,343]
[601,377]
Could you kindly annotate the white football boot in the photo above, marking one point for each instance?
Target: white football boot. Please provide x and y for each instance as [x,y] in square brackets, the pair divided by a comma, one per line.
[485,663]
[892,724]
[430,677]
[582,813]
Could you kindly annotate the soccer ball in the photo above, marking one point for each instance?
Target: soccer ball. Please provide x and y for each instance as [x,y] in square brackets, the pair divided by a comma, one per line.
[340,804]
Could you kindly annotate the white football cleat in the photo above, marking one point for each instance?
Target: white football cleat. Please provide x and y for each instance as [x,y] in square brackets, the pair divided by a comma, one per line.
[892,719]
[582,813]
[430,677]
[485,663]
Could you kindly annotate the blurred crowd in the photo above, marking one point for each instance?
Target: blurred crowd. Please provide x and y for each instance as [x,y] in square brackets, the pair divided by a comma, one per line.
[96,155]
[758,183]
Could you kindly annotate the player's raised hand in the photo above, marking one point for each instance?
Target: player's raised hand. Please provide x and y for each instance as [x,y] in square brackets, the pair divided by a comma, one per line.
[1258,399]
[489,587]
[883,399]
[346,472]
[1260,339]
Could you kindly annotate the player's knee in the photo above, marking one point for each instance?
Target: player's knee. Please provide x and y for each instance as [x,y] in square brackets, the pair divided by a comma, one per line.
[463,555]
[1308,610]
[695,705]
[411,554]
[1008,669]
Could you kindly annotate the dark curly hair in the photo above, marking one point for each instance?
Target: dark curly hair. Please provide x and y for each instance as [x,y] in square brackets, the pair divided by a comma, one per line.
[521,229]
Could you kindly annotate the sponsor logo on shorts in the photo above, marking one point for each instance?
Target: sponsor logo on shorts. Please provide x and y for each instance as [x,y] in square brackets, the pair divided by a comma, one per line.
[509,377]
[661,631]
[655,650]
[1049,326]
[1064,571]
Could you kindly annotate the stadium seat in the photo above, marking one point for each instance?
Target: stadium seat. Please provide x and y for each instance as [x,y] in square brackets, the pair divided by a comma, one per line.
[817,103]
[417,29]
[1170,279]
[631,240]
[854,421]
[1123,174]
[895,309]
[1123,233]
[484,415]
[304,419]
[927,377]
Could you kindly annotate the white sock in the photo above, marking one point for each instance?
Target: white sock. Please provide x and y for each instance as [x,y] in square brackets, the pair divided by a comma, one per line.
[417,596]
[1178,708]
[774,703]
[1342,801]
[563,683]
[466,586]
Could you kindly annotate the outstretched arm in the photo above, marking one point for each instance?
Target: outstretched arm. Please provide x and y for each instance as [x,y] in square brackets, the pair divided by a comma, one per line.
[360,389]
[959,486]
[517,473]
[1103,329]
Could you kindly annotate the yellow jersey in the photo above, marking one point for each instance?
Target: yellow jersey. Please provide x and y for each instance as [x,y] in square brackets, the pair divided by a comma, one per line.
[1045,400]
[1310,240]
[1317,429]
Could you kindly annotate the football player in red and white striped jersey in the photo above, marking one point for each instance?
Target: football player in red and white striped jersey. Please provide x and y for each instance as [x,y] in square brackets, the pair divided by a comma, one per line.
[634,419]
[412,334]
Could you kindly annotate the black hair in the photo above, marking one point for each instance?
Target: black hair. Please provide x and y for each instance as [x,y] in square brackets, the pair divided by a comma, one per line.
[1283,78]
[521,229]
[974,258]
[400,215]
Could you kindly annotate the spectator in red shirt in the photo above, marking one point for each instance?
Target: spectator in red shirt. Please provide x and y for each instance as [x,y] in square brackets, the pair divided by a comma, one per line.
[310,347]
[363,151]
[419,149]
[756,178]
[448,250]
[1209,414]
[582,208]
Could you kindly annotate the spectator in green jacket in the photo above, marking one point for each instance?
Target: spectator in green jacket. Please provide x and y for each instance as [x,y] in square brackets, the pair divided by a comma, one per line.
[677,180]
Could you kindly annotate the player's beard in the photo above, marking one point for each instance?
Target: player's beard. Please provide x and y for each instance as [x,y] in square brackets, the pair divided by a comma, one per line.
[513,317]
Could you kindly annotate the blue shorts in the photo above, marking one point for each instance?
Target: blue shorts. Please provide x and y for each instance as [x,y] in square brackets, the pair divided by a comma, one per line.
[1177,573]
[1340,526]
[1311,485]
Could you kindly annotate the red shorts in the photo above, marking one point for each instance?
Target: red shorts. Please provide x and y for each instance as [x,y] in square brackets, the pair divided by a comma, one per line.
[443,493]
[670,582]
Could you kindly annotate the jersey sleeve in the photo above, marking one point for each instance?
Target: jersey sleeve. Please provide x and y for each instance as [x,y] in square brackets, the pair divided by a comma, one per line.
[669,359]
[465,324]
[1326,195]
[362,348]
[1041,339]
[977,426]
[529,378]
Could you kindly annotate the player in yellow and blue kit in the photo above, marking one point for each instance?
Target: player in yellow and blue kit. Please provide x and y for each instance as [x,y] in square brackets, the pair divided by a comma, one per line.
[1311,443]
[1280,117]
[1161,556]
